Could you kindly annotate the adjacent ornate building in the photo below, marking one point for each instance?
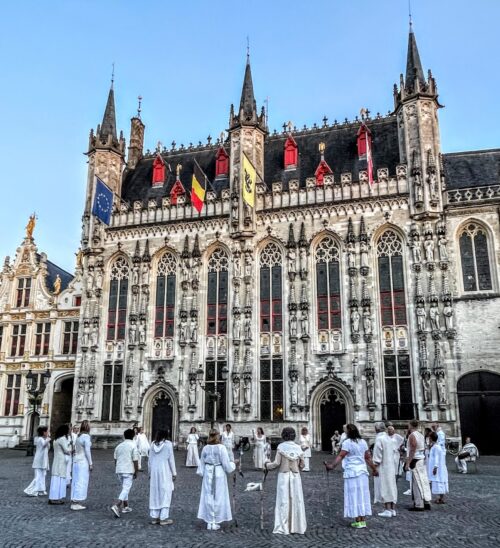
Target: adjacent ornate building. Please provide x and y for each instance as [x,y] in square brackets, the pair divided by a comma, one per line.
[39,322]
[334,298]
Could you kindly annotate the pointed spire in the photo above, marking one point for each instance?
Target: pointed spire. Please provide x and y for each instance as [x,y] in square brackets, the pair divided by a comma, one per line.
[248,106]
[414,69]
[196,254]
[146,256]
[351,238]
[302,238]
[185,252]
[291,238]
[137,253]
[108,126]
[363,236]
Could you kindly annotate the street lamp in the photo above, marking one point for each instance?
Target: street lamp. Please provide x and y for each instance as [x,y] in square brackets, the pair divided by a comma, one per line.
[212,396]
[35,394]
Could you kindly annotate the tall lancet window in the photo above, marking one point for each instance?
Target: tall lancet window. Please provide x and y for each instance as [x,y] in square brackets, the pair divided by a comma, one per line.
[271,327]
[328,284]
[118,293]
[165,296]
[397,367]
[475,259]
[217,296]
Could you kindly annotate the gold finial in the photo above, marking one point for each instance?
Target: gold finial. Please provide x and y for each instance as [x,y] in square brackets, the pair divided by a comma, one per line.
[79,258]
[57,285]
[290,126]
[178,170]
[321,148]
[31,226]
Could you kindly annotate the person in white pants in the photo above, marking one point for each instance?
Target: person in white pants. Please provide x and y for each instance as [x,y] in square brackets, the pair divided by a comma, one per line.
[127,466]
[40,463]
[468,451]
[305,445]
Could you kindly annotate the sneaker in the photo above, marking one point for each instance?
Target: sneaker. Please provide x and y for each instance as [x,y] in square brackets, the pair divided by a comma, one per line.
[393,513]
[166,521]
[215,527]
[155,522]
[385,514]
[115,510]
[209,526]
[126,510]
[361,524]
[427,505]
[78,507]
[43,494]
[407,492]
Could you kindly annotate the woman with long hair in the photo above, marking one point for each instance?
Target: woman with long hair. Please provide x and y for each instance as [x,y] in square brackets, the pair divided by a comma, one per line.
[37,487]
[82,466]
[259,456]
[354,456]
[162,475]
[192,458]
[215,506]
[57,492]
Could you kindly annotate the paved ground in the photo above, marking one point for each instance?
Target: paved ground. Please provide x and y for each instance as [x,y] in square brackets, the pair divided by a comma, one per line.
[470,518]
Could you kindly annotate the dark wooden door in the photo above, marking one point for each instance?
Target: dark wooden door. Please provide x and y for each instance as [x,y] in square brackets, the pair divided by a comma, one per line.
[333,417]
[61,405]
[163,413]
[479,407]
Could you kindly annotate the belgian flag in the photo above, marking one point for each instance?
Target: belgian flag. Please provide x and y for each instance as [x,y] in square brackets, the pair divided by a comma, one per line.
[198,187]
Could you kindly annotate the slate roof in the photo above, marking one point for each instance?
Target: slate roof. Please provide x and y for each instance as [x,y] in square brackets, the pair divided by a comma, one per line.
[340,153]
[472,169]
[52,271]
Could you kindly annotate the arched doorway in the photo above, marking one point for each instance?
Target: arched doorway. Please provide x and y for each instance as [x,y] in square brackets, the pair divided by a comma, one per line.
[331,408]
[163,414]
[479,406]
[62,399]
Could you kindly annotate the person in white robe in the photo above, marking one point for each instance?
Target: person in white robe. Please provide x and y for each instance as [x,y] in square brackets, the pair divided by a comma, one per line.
[215,505]
[437,470]
[384,484]
[415,462]
[289,511]
[162,475]
[228,441]
[57,492]
[468,453]
[37,487]
[82,466]
[436,427]
[355,457]
[305,444]
[69,460]
[259,440]
[398,443]
[142,443]
[192,457]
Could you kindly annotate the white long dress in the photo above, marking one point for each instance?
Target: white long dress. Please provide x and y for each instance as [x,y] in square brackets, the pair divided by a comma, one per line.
[259,456]
[192,457]
[397,441]
[437,459]
[289,512]
[384,485]
[356,488]
[228,443]
[305,443]
[161,469]
[82,461]
[40,466]
[215,505]
[58,478]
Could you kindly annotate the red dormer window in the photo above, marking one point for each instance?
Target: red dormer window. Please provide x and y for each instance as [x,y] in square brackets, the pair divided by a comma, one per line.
[322,170]
[158,171]
[291,153]
[364,139]
[221,163]
[177,190]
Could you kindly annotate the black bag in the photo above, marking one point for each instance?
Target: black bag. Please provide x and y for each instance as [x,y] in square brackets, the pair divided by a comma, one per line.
[464,455]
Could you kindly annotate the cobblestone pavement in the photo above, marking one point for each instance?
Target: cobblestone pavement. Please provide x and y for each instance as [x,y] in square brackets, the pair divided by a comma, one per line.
[471,516]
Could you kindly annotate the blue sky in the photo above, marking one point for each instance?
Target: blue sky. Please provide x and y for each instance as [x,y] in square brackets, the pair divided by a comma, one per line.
[187,61]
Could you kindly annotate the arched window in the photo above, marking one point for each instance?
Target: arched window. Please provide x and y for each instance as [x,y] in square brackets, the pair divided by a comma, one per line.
[271,314]
[118,292]
[291,153]
[328,284]
[271,321]
[221,163]
[391,279]
[474,256]
[165,296]
[397,366]
[217,293]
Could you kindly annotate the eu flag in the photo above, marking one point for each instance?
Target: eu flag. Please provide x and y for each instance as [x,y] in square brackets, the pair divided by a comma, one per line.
[103,202]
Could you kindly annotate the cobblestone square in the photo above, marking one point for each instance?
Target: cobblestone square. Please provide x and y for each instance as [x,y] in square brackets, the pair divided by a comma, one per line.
[471,516]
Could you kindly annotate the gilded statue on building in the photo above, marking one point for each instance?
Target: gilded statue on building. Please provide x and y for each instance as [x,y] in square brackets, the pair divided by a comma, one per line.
[30,227]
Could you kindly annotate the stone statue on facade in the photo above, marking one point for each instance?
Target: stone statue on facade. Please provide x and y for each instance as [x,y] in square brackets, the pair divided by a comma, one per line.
[367,322]
[248,329]
[370,387]
[145,274]
[429,248]
[364,254]
[426,386]
[304,324]
[135,275]
[142,332]
[442,249]
[86,334]
[192,392]
[94,335]
[303,259]
[448,315]
[132,333]
[441,387]
[183,332]
[434,317]
[248,264]
[236,391]
[247,390]
[415,251]
[293,325]
[355,318]
[193,329]
[237,328]
[351,256]
[421,317]
[294,389]
[292,260]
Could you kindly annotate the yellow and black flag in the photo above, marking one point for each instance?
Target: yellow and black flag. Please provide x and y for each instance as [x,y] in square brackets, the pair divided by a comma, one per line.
[198,187]
[249,180]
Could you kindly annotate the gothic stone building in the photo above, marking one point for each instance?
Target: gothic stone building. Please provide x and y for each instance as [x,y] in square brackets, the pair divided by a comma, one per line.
[39,322]
[331,300]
